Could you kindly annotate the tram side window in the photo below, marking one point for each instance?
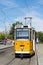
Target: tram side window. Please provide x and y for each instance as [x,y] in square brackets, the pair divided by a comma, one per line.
[33,34]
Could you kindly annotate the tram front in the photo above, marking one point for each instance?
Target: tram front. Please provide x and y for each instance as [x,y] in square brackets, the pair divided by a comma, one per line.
[23,41]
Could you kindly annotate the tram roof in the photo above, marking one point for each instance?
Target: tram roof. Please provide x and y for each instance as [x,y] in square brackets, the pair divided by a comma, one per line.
[23,26]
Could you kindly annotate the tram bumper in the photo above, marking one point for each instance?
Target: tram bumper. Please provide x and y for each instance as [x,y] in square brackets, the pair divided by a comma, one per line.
[24,54]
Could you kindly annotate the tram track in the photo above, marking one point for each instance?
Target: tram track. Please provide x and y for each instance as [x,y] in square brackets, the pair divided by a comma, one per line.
[19,61]
[8,58]
[10,61]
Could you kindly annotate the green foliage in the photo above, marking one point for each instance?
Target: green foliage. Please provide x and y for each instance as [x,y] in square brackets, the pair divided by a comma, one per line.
[12,29]
[2,36]
[40,36]
[9,36]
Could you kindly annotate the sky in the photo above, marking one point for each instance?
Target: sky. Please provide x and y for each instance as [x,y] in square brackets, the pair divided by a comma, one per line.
[16,10]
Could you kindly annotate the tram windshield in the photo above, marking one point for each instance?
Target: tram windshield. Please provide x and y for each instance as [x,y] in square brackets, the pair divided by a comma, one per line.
[22,33]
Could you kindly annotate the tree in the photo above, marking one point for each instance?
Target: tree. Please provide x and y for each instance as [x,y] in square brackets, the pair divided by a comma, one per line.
[40,36]
[2,35]
[12,29]
[9,36]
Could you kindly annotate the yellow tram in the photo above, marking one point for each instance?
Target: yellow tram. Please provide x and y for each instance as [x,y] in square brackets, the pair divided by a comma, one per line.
[24,44]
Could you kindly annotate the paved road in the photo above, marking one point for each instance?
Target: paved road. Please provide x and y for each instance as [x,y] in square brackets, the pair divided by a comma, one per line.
[7,58]
[40,53]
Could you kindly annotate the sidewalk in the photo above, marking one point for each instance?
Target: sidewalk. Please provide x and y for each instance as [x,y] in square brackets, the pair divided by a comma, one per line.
[5,46]
[40,53]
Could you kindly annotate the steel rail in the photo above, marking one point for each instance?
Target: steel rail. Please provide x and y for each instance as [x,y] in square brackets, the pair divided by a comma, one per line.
[10,61]
[29,61]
